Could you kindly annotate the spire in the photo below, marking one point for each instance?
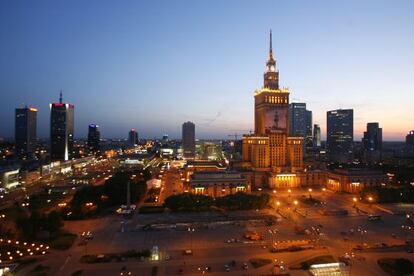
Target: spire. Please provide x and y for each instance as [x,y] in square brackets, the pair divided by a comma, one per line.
[60,96]
[270,61]
[271,76]
[270,46]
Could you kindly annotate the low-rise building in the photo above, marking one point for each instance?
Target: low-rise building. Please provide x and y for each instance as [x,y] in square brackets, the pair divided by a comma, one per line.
[9,178]
[218,183]
[355,179]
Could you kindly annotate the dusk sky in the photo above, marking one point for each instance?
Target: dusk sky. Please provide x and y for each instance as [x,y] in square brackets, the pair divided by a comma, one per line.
[152,65]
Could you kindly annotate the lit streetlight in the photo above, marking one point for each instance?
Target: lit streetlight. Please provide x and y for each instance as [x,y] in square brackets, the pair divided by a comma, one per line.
[310,192]
[191,231]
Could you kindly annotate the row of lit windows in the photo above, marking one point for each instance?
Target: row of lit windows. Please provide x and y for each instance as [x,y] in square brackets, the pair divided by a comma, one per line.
[260,142]
[276,99]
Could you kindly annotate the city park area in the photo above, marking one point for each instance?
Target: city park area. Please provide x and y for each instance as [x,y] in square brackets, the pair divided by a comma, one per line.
[170,232]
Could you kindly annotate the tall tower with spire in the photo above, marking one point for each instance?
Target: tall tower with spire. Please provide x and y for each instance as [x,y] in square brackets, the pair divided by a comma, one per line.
[271,76]
[271,102]
[270,153]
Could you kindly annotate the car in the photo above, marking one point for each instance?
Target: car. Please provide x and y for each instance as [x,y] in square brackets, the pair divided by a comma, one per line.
[245,266]
[88,235]
[188,252]
[227,268]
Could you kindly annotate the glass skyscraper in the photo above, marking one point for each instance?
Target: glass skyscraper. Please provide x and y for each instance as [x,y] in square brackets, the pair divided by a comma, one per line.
[340,135]
[25,131]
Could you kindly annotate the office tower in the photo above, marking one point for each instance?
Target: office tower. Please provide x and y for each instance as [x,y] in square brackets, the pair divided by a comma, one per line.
[409,139]
[316,136]
[188,140]
[133,137]
[165,139]
[94,139]
[297,119]
[308,133]
[271,155]
[61,130]
[372,143]
[340,135]
[300,122]
[372,139]
[25,131]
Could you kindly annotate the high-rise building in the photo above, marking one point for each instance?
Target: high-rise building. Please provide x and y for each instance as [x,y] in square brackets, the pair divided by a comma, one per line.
[61,130]
[316,136]
[308,136]
[300,122]
[25,131]
[94,139]
[188,140]
[340,135]
[133,137]
[372,143]
[372,139]
[297,119]
[271,155]
[409,139]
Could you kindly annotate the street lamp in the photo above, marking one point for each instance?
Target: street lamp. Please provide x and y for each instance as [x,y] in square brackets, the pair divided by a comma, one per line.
[295,202]
[354,199]
[277,204]
[191,231]
[310,192]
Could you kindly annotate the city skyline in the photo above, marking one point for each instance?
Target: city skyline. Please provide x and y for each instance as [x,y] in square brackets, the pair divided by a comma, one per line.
[111,74]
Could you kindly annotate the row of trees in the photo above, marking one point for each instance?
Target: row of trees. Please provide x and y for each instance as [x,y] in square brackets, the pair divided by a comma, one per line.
[238,201]
[31,227]
[90,200]
[389,195]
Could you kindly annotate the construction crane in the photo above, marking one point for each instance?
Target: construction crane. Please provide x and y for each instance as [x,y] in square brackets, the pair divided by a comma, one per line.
[236,135]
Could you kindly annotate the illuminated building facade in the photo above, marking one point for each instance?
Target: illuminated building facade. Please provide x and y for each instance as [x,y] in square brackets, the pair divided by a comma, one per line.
[61,130]
[354,180]
[25,131]
[272,156]
[218,183]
